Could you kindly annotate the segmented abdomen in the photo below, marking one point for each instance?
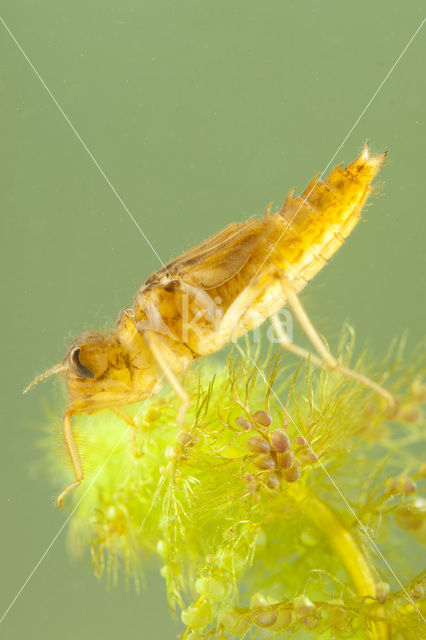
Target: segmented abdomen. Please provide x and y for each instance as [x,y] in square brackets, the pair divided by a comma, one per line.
[310,228]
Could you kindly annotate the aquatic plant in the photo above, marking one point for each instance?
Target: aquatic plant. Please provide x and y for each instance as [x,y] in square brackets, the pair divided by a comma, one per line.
[290,505]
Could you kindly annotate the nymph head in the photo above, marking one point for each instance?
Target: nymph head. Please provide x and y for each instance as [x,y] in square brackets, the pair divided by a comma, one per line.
[94,362]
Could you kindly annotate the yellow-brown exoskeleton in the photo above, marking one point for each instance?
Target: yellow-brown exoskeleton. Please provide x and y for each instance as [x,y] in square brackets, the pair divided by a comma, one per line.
[213,293]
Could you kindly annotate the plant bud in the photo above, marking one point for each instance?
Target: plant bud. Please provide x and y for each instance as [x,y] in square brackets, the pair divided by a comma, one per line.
[214,587]
[284,619]
[410,414]
[243,423]
[111,512]
[266,618]
[300,441]
[264,461]
[293,474]
[262,418]
[391,411]
[337,615]
[252,486]
[256,444]
[235,621]
[303,606]
[280,440]
[161,548]
[272,480]
[258,600]
[410,518]
[197,615]
[286,459]
[152,414]
[184,437]
[408,486]
[393,486]
[381,590]
[419,391]
[418,592]
[170,452]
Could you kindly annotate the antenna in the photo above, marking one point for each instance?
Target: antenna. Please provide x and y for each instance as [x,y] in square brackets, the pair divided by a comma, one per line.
[59,368]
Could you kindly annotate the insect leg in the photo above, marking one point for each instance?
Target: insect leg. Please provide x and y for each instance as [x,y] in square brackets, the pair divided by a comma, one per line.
[124,415]
[130,421]
[290,346]
[73,454]
[166,361]
[104,400]
[241,304]
[327,358]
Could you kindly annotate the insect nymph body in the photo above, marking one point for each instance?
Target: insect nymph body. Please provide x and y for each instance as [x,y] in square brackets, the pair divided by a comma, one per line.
[296,241]
[217,291]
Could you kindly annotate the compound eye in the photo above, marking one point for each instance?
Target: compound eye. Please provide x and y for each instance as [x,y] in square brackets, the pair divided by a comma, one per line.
[76,365]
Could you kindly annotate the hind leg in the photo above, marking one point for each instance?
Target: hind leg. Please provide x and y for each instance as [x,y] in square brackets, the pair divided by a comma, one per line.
[325,356]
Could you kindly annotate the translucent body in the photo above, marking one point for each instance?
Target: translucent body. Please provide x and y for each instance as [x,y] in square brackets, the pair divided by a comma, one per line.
[298,241]
[213,293]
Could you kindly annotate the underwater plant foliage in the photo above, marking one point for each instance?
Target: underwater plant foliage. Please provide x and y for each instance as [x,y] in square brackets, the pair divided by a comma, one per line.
[288,507]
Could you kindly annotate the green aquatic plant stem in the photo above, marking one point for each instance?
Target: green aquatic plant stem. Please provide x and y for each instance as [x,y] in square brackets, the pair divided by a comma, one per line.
[350,555]
[251,540]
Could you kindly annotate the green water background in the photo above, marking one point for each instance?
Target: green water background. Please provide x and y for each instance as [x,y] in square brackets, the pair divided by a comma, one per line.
[200,113]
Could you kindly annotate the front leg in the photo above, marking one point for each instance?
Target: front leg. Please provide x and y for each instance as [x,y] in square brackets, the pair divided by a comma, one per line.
[73,454]
[171,357]
[103,400]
